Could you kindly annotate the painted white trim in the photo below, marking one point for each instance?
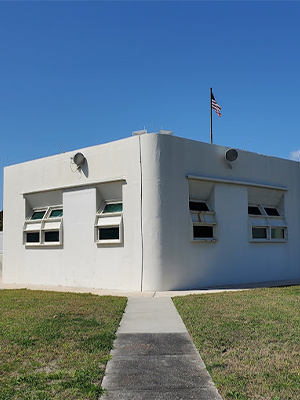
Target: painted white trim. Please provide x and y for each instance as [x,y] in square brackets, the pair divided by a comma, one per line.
[235,182]
[1,243]
[73,186]
[109,221]
[43,225]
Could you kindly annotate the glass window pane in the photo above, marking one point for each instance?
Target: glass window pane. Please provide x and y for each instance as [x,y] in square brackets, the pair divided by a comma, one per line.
[113,207]
[277,233]
[56,213]
[259,233]
[32,237]
[111,233]
[271,211]
[52,236]
[203,232]
[198,206]
[38,215]
[254,210]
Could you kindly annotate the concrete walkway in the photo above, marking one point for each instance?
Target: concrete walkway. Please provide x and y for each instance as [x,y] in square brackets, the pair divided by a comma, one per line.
[110,292]
[154,357]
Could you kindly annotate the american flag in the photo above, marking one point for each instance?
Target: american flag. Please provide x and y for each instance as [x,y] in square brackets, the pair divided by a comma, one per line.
[215,106]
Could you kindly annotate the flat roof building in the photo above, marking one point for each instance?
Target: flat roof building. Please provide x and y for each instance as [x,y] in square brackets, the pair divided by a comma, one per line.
[152,212]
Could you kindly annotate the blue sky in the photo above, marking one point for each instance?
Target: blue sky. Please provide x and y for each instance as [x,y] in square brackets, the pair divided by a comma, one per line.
[76,74]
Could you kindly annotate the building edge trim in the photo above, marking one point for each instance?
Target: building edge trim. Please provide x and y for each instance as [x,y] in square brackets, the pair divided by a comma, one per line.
[73,186]
[236,182]
[141,213]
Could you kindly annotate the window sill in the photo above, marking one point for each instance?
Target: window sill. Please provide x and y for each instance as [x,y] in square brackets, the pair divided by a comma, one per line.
[268,241]
[43,245]
[204,240]
[203,212]
[270,217]
[100,242]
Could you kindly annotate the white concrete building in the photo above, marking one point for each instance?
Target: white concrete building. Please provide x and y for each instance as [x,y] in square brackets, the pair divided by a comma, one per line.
[152,212]
[1,253]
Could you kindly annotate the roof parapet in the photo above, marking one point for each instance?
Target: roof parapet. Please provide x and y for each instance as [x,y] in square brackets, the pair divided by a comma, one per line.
[144,131]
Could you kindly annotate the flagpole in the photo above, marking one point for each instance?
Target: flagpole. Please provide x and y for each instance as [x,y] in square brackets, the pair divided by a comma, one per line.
[211,135]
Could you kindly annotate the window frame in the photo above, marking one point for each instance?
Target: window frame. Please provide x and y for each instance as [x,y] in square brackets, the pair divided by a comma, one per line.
[255,206]
[202,218]
[284,229]
[269,238]
[205,238]
[268,222]
[199,202]
[33,242]
[106,220]
[266,228]
[277,213]
[262,209]
[42,226]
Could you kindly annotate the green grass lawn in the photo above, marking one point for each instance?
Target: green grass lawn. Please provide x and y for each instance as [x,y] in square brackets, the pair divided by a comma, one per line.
[55,345]
[249,340]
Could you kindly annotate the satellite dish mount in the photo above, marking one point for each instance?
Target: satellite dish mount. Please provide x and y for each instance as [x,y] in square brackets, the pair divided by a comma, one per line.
[79,160]
[230,156]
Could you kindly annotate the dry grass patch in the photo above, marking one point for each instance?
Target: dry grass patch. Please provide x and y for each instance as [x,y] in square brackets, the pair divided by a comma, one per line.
[249,340]
[55,345]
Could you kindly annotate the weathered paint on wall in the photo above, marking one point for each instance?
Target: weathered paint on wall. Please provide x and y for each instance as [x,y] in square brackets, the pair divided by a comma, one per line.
[150,174]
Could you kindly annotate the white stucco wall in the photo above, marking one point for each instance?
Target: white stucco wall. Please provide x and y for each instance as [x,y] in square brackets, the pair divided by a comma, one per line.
[1,253]
[80,262]
[149,173]
[233,258]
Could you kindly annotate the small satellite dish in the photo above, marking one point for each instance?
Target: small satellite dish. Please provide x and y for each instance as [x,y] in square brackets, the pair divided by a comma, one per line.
[231,155]
[79,159]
